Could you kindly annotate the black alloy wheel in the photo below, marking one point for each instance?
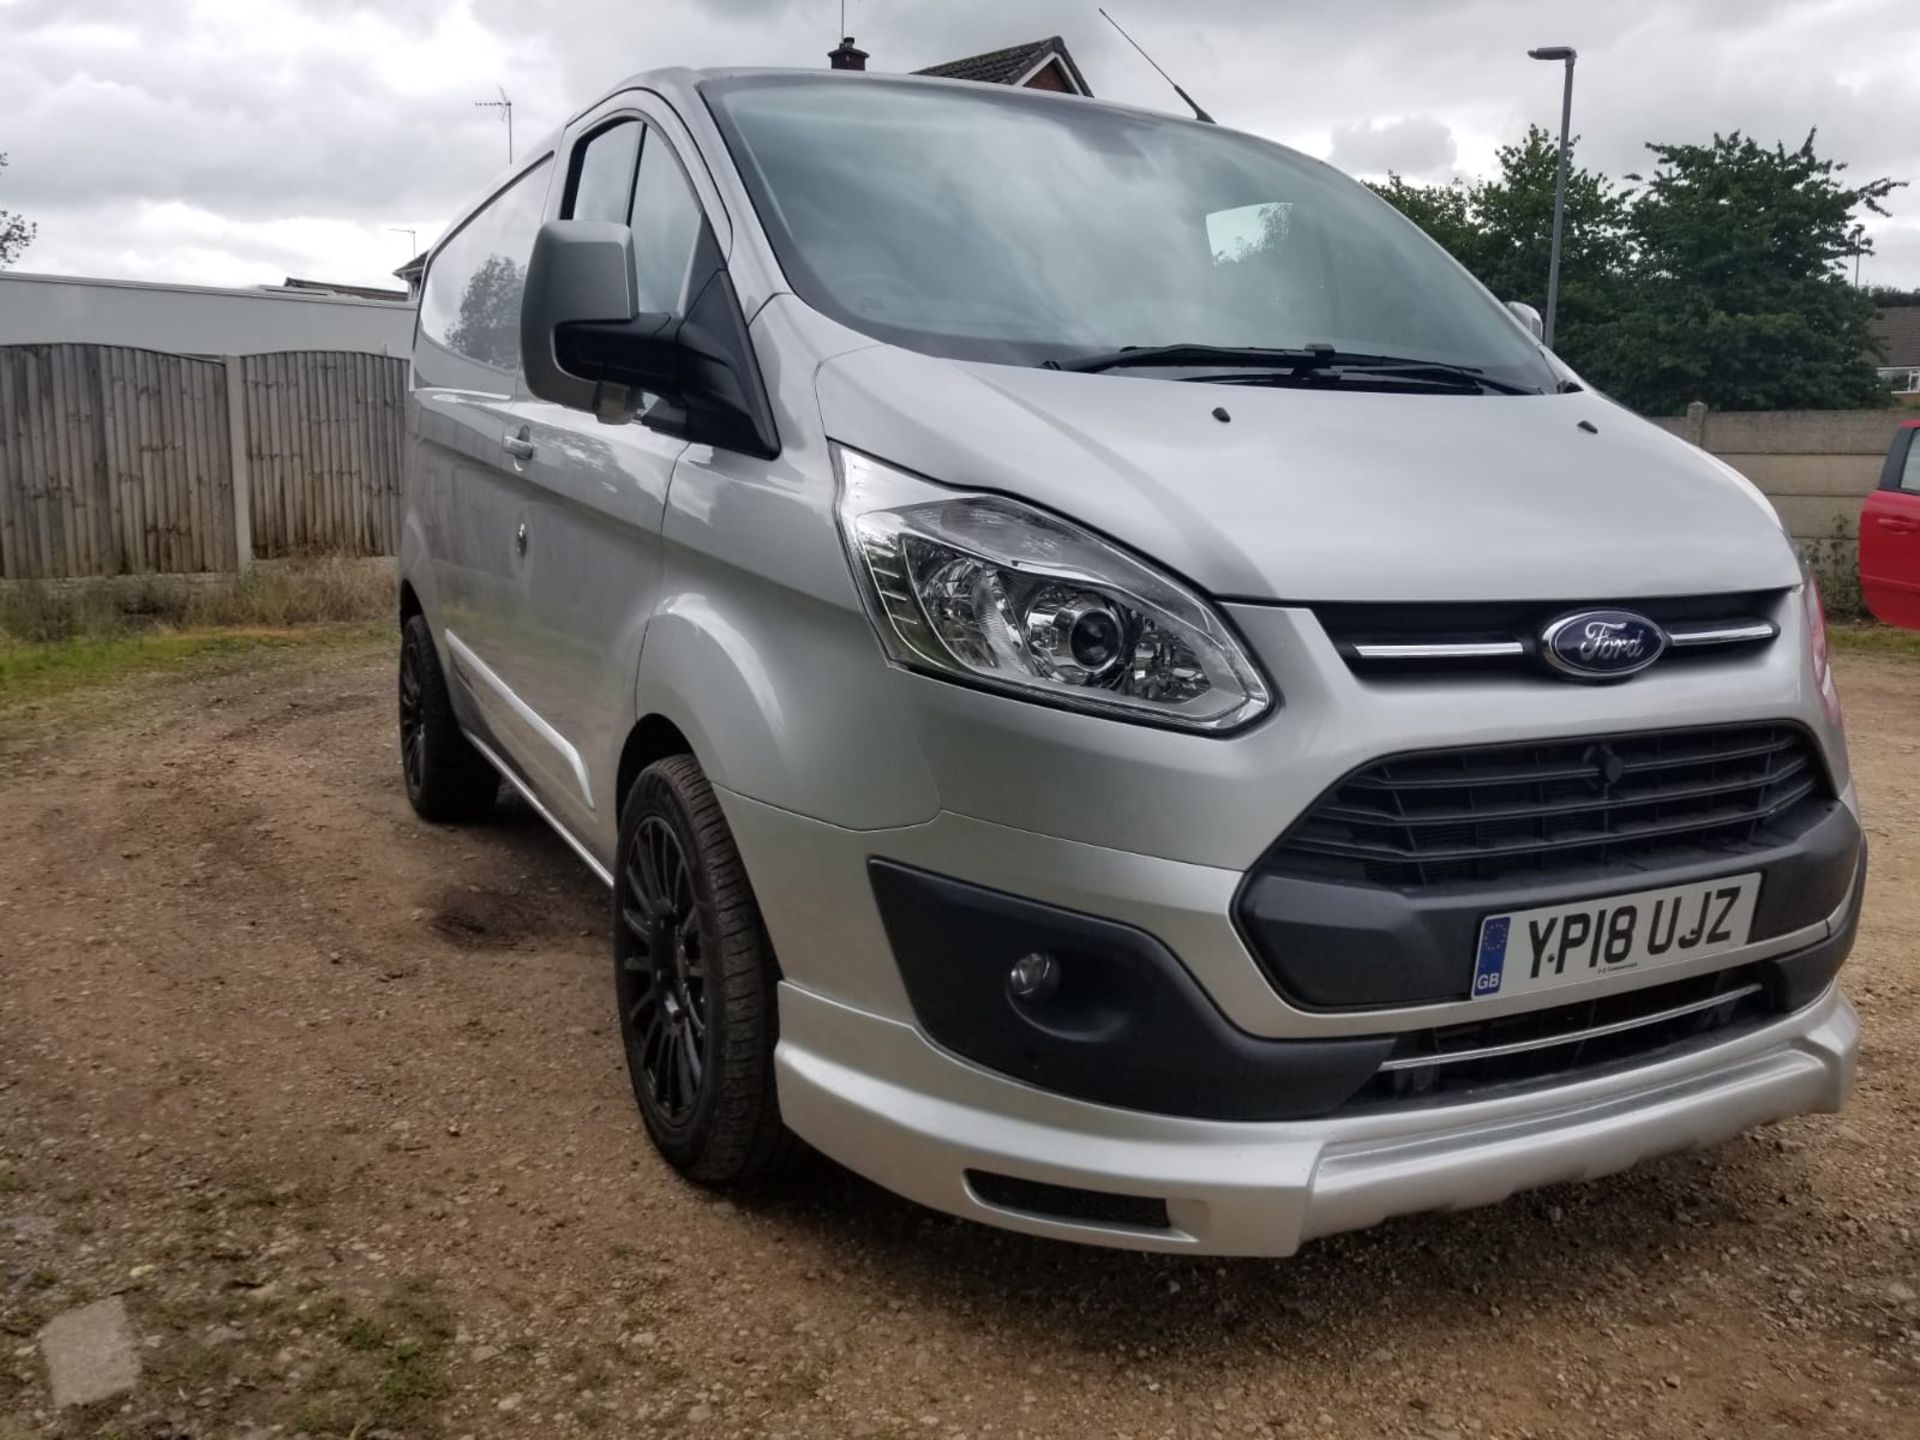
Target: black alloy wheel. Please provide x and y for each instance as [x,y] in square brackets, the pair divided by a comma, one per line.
[446,778]
[663,975]
[413,721]
[695,979]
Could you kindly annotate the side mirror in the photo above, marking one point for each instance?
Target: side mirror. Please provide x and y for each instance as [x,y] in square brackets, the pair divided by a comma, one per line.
[1529,317]
[578,299]
[583,345]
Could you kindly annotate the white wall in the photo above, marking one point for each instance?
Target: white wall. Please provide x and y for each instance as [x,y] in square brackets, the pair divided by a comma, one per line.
[193,319]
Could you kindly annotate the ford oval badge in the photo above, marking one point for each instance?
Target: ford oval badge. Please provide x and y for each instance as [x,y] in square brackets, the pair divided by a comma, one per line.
[1601,644]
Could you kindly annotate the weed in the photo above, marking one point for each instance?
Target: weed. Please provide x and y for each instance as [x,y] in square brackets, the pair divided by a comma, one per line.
[413,1377]
[330,589]
[316,1419]
[366,1335]
[10,1183]
[1835,559]
[393,1368]
[298,592]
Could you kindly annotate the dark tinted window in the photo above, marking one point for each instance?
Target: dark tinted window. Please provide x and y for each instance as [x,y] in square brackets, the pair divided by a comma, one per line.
[666,224]
[602,186]
[470,308]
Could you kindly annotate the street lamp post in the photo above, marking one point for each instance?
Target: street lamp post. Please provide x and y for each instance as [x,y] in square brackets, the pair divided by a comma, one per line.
[1568,54]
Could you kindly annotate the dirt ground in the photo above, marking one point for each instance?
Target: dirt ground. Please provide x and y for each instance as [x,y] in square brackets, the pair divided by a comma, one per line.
[332,1099]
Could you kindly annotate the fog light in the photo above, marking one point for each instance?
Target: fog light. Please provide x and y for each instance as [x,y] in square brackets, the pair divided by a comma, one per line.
[1034,977]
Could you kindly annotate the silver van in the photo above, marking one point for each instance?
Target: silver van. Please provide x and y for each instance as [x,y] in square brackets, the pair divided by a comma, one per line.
[1116,691]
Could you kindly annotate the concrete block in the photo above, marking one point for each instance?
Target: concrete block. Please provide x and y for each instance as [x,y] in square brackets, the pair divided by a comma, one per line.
[89,1353]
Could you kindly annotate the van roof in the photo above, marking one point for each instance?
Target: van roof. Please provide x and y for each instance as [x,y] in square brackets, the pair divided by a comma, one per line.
[679,83]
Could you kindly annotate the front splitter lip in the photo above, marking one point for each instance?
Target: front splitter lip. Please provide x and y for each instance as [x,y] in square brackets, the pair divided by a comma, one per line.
[877,1096]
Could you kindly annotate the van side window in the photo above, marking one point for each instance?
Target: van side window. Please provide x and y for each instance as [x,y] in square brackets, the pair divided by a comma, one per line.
[470,306]
[666,225]
[602,183]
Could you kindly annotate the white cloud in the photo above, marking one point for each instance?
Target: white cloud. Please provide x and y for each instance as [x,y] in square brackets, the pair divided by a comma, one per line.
[1417,147]
[237,141]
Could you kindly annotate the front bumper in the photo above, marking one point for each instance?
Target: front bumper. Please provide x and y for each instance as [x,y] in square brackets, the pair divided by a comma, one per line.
[1156,831]
[876,1095]
[860,1080]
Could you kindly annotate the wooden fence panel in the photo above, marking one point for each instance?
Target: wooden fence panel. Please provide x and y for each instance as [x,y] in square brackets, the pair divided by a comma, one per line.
[118,461]
[324,440]
[112,461]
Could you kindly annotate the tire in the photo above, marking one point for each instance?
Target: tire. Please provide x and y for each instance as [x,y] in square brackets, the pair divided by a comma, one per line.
[447,779]
[695,978]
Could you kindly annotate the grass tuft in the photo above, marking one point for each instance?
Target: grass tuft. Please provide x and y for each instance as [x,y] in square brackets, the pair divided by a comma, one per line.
[274,594]
[366,1336]
[32,672]
[1871,638]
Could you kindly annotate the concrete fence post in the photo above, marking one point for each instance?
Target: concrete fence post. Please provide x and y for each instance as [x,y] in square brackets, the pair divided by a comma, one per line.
[237,451]
[1697,424]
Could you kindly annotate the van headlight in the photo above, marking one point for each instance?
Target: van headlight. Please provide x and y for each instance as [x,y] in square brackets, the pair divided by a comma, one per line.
[989,590]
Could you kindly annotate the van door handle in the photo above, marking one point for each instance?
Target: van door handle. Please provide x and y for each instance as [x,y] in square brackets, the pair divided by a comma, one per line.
[519,446]
[1897,525]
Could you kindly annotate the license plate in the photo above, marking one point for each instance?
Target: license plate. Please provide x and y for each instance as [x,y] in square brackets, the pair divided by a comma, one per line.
[1525,951]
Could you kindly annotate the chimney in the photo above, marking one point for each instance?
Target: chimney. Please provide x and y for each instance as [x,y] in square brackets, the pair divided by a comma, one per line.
[848,57]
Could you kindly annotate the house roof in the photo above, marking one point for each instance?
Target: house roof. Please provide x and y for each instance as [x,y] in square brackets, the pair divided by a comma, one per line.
[1013,64]
[1897,327]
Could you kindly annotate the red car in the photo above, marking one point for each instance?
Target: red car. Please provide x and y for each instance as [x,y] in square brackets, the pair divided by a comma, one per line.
[1890,535]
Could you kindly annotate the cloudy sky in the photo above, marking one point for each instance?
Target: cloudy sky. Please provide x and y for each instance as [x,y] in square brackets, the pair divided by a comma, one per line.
[240,141]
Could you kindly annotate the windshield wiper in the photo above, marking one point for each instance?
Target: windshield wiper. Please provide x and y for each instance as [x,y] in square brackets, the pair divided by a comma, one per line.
[1306,363]
[1176,356]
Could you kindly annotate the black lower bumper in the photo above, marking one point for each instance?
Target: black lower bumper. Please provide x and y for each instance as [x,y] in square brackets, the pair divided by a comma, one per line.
[1129,1026]
[1328,945]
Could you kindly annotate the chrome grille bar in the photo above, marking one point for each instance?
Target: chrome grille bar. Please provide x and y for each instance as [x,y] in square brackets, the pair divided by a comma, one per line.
[1724,634]
[1388,649]
[1461,650]
[1548,1042]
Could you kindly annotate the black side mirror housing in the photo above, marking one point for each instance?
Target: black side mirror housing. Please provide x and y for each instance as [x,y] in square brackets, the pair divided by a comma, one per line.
[583,345]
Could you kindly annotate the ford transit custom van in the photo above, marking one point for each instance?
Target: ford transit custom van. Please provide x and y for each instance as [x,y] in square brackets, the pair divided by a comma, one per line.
[1114,689]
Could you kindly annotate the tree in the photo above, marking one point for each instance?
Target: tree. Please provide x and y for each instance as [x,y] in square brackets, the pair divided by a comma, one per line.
[1502,230]
[16,233]
[1449,213]
[1741,296]
[1723,279]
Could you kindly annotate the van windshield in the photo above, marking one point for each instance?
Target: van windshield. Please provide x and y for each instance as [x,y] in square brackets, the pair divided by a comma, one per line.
[988,223]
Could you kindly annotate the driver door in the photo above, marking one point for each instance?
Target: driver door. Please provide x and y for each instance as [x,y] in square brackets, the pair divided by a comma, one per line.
[592,496]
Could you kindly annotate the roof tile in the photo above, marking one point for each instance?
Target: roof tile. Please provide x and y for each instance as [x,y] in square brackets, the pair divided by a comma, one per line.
[1011,65]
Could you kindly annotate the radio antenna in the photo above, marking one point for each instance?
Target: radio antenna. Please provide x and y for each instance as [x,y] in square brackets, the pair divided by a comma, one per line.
[505,107]
[1192,104]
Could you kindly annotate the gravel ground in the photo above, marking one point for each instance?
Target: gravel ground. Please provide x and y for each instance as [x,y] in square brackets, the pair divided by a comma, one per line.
[331,1100]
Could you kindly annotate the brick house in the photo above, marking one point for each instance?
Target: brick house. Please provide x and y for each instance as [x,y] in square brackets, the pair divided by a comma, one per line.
[1897,328]
[1038,65]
